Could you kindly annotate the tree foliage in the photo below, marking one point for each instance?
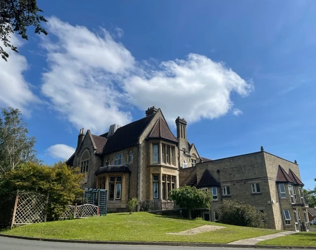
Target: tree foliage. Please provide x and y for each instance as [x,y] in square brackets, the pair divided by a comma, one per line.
[310,196]
[241,214]
[15,145]
[191,198]
[16,16]
[132,203]
[60,182]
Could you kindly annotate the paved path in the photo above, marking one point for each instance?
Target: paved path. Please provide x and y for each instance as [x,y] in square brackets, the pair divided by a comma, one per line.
[254,241]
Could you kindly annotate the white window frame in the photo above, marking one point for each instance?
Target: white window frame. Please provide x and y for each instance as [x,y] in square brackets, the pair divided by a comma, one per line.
[291,194]
[226,190]
[282,192]
[117,185]
[118,159]
[214,194]
[255,188]
[287,219]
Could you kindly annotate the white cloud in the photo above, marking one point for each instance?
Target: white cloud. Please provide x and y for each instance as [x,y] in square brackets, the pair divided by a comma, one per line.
[15,91]
[83,70]
[120,32]
[92,79]
[60,151]
[193,88]
[237,112]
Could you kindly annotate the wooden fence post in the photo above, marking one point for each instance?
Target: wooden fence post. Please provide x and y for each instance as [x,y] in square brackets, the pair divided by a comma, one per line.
[14,209]
[75,210]
[98,211]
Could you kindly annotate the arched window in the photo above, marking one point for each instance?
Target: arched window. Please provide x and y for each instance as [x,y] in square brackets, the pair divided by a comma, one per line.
[193,159]
[107,161]
[130,156]
[84,161]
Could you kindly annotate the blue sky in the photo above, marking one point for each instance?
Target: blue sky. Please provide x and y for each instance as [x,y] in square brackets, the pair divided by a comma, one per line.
[242,73]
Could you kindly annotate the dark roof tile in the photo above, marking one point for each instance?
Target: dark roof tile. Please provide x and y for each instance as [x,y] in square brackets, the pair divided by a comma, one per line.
[208,180]
[113,169]
[297,180]
[99,143]
[162,131]
[127,135]
[282,176]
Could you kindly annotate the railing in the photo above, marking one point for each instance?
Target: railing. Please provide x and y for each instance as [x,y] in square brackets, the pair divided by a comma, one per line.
[82,211]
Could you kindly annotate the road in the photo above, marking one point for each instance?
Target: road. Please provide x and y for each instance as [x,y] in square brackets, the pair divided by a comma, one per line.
[18,244]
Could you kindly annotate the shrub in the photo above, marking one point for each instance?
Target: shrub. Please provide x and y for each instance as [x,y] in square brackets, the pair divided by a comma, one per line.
[132,203]
[241,214]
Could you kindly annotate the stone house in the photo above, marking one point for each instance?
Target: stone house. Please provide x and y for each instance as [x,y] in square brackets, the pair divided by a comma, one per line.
[145,160]
[261,179]
[141,159]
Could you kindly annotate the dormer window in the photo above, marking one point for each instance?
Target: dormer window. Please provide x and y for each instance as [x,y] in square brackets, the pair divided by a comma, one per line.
[118,159]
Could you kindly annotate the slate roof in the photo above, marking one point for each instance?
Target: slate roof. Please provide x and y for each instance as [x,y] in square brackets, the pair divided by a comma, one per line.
[70,161]
[312,211]
[282,176]
[161,131]
[113,169]
[205,159]
[208,180]
[295,178]
[192,182]
[127,135]
[99,142]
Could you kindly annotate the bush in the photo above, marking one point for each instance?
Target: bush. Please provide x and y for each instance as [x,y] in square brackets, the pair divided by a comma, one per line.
[241,214]
[132,203]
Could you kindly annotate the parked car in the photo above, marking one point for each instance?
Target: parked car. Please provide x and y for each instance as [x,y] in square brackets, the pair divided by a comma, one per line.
[313,222]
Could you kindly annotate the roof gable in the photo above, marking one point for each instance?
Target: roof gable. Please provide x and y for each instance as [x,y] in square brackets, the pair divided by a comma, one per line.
[127,135]
[282,176]
[99,143]
[193,150]
[208,180]
[295,178]
[162,131]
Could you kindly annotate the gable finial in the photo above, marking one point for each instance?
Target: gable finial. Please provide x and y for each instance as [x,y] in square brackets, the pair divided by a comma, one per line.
[261,148]
[295,162]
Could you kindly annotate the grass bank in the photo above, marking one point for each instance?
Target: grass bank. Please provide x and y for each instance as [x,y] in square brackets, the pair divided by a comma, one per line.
[135,227]
[299,239]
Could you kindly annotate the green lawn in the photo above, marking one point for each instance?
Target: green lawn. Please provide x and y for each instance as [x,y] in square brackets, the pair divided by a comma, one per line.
[135,227]
[299,239]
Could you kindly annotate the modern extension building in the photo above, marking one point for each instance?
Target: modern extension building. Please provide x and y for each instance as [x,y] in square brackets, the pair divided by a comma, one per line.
[145,160]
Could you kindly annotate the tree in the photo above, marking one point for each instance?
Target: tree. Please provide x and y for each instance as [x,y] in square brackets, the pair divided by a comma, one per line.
[132,203]
[60,182]
[191,198]
[241,214]
[16,16]
[15,146]
[310,196]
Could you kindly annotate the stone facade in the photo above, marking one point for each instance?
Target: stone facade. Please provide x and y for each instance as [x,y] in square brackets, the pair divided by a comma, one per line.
[145,160]
[252,178]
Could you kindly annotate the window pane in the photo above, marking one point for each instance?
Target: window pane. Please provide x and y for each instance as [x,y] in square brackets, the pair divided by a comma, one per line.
[163,153]
[258,187]
[118,178]
[155,189]
[111,191]
[155,153]
[228,190]
[118,191]
[287,214]
[112,178]
[156,178]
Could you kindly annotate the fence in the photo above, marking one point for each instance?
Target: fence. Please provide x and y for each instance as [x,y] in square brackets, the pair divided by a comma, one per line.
[29,208]
[157,205]
[97,197]
[82,211]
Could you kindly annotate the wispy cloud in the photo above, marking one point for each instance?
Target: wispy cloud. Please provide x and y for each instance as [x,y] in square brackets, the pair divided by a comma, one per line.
[237,112]
[60,151]
[15,90]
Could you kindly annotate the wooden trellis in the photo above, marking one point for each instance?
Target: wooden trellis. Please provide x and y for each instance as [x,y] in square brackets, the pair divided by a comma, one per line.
[82,211]
[29,208]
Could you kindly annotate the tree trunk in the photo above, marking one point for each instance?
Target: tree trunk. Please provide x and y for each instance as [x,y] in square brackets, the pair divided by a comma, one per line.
[189,213]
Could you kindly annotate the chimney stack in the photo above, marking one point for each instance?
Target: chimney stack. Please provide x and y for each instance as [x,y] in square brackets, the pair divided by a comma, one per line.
[151,110]
[80,137]
[181,128]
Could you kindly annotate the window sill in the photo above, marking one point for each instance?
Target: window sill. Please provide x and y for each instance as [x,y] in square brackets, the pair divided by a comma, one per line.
[226,196]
